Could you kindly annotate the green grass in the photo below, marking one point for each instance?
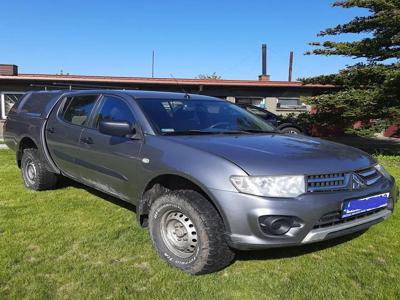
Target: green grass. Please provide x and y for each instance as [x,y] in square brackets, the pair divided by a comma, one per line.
[71,243]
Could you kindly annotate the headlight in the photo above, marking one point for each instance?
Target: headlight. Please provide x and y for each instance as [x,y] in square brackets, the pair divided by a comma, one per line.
[270,186]
[382,170]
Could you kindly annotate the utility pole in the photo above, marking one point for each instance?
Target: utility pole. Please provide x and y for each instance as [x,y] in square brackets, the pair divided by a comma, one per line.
[290,66]
[152,65]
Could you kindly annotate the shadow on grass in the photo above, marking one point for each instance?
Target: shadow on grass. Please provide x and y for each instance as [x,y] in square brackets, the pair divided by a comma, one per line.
[372,145]
[287,252]
[66,182]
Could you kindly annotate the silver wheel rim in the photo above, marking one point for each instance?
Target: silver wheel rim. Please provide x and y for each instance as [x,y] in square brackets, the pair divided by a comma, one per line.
[30,171]
[179,233]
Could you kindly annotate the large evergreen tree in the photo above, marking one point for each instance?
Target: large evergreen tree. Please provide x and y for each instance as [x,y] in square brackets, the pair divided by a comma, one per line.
[369,91]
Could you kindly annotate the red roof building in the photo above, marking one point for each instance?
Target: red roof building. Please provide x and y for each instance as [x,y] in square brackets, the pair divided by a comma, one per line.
[279,97]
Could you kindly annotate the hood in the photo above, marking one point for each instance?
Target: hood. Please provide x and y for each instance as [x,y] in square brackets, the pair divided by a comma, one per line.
[277,154]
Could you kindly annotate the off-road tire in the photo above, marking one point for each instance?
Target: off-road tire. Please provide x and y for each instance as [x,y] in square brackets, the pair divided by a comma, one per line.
[212,252]
[34,173]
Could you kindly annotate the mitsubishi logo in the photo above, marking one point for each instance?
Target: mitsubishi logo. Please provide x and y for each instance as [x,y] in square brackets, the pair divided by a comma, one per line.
[356,182]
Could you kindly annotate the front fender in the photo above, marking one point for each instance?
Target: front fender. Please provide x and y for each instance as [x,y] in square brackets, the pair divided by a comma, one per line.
[205,170]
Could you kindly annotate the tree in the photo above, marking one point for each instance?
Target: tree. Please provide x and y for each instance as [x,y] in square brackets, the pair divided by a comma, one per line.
[369,90]
[212,76]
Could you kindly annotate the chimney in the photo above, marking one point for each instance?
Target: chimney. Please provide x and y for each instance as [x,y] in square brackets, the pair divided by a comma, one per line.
[8,70]
[290,66]
[264,76]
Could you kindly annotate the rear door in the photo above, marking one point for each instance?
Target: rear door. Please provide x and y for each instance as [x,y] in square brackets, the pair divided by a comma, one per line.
[111,163]
[64,129]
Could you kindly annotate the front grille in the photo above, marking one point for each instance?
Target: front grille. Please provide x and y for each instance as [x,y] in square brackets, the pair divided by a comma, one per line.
[369,175]
[334,218]
[342,181]
[327,182]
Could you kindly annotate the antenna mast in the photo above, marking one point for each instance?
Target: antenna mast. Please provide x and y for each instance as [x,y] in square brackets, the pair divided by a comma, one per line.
[180,87]
[152,65]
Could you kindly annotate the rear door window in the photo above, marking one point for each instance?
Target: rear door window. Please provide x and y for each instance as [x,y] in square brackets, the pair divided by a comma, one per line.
[77,109]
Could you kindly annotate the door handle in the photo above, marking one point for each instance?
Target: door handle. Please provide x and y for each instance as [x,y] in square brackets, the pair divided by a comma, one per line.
[51,130]
[88,140]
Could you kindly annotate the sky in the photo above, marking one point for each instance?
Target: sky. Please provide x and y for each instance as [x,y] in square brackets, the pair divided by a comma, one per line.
[89,37]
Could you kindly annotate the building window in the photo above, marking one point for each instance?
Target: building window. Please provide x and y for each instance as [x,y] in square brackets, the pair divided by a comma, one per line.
[289,103]
[7,100]
[251,101]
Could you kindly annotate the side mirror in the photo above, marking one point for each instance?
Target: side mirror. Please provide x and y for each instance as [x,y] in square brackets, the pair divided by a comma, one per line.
[117,128]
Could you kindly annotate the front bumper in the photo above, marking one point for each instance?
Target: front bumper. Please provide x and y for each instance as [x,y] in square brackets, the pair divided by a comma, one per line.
[241,215]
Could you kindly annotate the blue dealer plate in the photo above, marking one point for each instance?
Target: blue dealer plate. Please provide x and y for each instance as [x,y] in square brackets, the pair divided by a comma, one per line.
[359,206]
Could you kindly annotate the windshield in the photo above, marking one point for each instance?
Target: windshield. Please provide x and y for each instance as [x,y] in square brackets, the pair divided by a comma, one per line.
[173,117]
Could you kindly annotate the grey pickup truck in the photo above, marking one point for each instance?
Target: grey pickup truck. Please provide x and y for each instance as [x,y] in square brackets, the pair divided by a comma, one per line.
[206,176]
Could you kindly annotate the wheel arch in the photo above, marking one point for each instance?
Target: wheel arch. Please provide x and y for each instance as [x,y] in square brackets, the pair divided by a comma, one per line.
[166,182]
[286,125]
[26,142]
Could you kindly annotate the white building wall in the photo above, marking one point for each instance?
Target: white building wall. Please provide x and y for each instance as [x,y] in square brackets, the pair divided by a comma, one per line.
[231,99]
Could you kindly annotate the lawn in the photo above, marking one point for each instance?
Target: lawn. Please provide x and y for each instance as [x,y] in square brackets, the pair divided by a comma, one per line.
[74,243]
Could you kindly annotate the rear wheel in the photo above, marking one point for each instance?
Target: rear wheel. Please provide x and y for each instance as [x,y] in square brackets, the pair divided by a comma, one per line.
[188,233]
[34,173]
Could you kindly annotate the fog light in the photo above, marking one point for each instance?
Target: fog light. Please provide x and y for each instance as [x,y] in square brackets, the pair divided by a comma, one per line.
[276,225]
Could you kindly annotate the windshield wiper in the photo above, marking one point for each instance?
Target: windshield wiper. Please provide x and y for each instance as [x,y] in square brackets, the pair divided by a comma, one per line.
[233,132]
[188,132]
[201,132]
[258,131]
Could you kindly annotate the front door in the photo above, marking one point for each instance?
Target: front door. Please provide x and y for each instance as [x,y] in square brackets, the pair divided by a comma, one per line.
[111,162]
[64,129]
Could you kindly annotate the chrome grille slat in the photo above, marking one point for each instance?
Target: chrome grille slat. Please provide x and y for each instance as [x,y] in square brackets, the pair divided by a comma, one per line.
[324,189]
[372,181]
[369,175]
[325,179]
[366,173]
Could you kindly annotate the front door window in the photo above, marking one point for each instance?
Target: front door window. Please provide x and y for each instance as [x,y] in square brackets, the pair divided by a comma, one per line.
[114,109]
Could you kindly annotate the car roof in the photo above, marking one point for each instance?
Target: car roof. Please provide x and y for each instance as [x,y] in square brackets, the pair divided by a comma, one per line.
[136,94]
[169,95]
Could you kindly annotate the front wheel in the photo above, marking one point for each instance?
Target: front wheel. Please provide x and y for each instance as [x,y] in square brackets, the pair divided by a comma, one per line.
[188,233]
